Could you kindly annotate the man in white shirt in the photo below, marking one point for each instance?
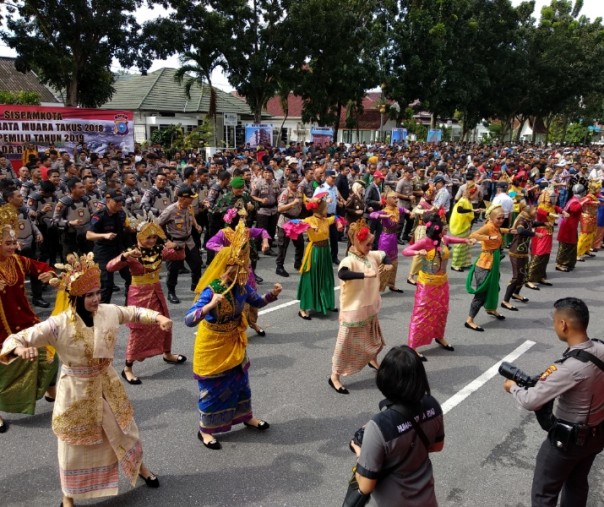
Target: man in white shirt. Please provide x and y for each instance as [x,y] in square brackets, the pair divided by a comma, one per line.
[506,202]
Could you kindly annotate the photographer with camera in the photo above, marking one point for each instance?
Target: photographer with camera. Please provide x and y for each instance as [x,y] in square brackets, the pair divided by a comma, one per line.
[576,430]
[393,448]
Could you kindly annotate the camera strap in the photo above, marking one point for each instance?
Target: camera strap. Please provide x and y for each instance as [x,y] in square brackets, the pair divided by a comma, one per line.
[406,413]
[584,357]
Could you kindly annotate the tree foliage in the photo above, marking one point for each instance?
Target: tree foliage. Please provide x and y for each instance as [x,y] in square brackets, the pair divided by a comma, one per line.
[22,97]
[70,44]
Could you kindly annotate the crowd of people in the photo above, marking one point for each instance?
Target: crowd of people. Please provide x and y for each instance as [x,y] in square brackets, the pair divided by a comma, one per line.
[77,218]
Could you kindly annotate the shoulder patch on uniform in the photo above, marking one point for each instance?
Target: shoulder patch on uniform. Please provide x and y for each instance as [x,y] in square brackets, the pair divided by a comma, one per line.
[551,369]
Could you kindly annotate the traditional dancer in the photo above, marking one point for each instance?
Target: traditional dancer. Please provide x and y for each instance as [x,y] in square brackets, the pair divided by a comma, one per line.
[460,225]
[541,245]
[220,362]
[21,382]
[360,337]
[485,270]
[92,418]
[431,307]
[519,254]
[316,286]
[144,263]
[589,204]
[388,242]
[567,233]
[419,229]
[223,238]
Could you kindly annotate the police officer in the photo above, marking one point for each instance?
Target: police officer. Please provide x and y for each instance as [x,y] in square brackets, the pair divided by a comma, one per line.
[158,197]
[29,236]
[72,216]
[108,231]
[42,204]
[133,195]
[576,435]
[289,207]
[178,222]
[266,192]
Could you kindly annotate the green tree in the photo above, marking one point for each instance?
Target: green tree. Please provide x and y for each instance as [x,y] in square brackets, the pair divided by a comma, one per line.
[196,32]
[70,44]
[22,98]
[341,56]
[257,58]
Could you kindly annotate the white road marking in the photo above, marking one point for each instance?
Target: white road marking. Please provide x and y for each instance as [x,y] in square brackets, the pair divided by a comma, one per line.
[284,305]
[478,382]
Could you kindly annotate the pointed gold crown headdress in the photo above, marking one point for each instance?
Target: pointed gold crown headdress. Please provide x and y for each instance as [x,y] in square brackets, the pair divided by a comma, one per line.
[239,254]
[146,226]
[80,275]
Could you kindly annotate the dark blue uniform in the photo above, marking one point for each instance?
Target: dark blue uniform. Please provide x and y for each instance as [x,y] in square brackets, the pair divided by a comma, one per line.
[103,222]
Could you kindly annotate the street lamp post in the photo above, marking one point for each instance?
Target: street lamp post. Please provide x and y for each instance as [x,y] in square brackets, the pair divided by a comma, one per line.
[382,110]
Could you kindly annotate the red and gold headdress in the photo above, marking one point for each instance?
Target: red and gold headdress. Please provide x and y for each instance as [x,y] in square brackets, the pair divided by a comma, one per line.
[80,275]
[147,226]
[358,231]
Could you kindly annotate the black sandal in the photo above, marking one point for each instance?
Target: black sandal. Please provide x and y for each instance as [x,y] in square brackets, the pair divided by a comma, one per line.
[522,299]
[179,360]
[498,316]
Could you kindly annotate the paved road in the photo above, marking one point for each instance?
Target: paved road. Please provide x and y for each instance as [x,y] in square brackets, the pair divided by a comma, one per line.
[303,460]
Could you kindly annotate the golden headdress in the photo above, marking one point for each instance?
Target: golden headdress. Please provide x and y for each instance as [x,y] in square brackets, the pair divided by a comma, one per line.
[8,221]
[239,253]
[594,187]
[146,226]
[80,275]
[490,210]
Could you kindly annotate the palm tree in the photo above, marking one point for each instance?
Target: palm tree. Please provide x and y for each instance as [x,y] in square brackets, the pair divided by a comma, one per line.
[196,69]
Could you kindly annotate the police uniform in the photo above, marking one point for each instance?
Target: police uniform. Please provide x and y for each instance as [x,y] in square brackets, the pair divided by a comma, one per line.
[178,224]
[143,182]
[288,197]
[104,250]
[215,221]
[95,201]
[26,234]
[74,236]
[577,436]
[133,200]
[155,201]
[50,246]
[266,216]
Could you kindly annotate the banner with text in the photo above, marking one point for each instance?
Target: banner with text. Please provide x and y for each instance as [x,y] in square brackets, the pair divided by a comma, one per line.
[398,136]
[321,136]
[434,136]
[259,133]
[63,128]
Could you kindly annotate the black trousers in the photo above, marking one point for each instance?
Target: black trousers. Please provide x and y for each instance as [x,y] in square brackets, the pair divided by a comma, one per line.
[283,243]
[558,470]
[193,259]
[107,280]
[333,241]
[269,224]
[36,285]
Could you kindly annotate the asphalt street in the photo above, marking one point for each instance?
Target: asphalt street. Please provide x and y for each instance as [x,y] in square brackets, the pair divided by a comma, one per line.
[304,460]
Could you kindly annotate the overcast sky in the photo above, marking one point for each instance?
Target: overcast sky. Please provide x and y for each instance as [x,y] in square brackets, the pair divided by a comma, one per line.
[591,9]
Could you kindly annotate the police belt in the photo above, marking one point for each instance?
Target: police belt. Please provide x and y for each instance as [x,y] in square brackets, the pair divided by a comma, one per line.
[291,217]
[171,238]
[267,205]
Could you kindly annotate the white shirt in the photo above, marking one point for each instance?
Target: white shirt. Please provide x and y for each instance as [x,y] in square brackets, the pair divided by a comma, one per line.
[506,202]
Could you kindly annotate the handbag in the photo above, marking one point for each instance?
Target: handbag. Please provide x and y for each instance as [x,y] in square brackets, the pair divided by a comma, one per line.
[354,497]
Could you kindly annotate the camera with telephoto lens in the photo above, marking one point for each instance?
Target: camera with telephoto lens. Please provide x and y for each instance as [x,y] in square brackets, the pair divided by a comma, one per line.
[545,413]
[511,372]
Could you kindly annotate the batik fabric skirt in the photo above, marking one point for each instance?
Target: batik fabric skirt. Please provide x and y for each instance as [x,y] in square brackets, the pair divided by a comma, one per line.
[316,286]
[430,309]
[147,341]
[356,346]
[22,382]
[461,253]
[92,471]
[567,255]
[537,268]
[225,399]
